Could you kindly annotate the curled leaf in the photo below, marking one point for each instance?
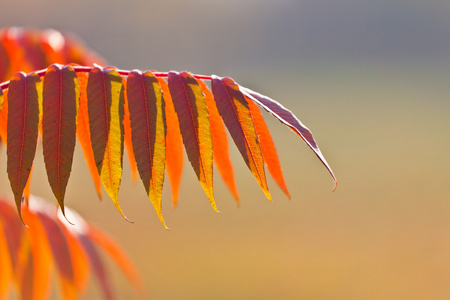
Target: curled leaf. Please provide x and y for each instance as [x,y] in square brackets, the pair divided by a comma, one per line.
[286,117]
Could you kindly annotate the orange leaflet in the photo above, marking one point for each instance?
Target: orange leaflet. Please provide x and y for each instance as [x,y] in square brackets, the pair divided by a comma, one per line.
[117,254]
[37,282]
[190,106]
[97,266]
[5,69]
[23,120]
[61,254]
[148,133]
[83,134]
[127,133]
[286,117]
[80,263]
[16,52]
[4,117]
[174,147]
[5,266]
[220,142]
[267,147]
[105,109]
[1,99]
[59,124]
[236,114]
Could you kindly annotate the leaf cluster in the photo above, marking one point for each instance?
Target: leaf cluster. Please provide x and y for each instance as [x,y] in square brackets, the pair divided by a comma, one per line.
[150,114]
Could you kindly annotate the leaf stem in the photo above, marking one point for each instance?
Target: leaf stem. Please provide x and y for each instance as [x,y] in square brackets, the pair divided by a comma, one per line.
[86,69]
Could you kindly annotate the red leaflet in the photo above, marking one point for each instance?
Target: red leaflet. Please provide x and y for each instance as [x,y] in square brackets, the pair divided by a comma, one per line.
[220,142]
[84,135]
[174,147]
[190,106]
[23,120]
[267,147]
[59,125]
[234,110]
[148,131]
[105,108]
[288,118]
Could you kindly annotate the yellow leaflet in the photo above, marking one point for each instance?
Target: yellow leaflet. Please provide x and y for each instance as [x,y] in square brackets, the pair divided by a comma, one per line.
[111,170]
[159,151]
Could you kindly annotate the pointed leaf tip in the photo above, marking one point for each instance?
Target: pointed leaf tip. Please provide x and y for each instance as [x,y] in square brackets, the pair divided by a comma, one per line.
[286,117]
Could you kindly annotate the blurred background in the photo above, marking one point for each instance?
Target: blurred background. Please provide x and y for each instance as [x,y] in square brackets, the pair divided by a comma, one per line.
[369,78]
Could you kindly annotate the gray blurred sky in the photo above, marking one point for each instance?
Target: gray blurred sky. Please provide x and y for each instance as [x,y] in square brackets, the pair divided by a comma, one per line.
[214,36]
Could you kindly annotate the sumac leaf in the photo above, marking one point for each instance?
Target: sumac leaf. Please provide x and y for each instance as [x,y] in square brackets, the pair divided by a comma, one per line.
[59,126]
[190,105]
[146,105]
[236,114]
[24,95]
[105,109]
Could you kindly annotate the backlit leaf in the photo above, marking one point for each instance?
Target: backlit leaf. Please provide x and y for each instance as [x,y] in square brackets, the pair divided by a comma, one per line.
[23,120]
[190,106]
[59,124]
[236,115]
[105,108]
[146,107]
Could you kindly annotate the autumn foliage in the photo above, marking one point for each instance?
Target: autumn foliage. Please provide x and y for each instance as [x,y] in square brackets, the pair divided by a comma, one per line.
[50,245]
[149,113]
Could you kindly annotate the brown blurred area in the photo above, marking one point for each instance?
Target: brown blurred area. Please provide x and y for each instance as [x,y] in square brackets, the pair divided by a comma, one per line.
[370,79]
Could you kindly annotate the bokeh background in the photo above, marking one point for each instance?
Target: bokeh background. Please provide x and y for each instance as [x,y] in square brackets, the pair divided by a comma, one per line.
[369,78]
